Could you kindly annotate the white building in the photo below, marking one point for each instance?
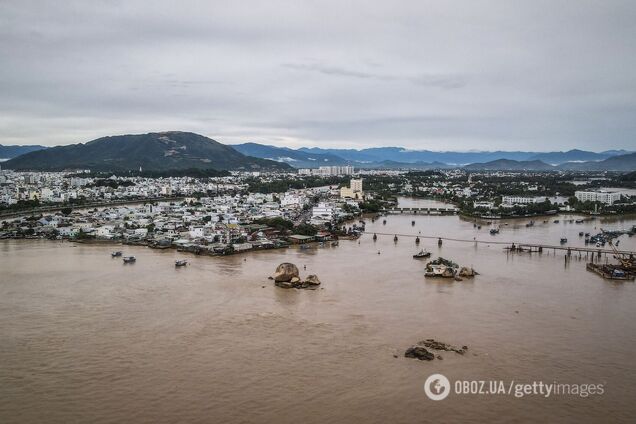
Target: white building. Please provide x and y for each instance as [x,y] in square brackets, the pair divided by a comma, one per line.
[323,212]
[519,200]
[606,197]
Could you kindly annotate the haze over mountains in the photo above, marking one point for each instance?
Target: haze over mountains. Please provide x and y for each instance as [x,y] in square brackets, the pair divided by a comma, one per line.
[397,157]
[176,150]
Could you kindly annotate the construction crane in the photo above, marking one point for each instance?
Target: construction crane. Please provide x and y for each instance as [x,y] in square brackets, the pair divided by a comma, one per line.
[627,262]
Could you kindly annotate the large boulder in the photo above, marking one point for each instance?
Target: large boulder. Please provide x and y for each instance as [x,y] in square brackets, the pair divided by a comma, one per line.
[285,272]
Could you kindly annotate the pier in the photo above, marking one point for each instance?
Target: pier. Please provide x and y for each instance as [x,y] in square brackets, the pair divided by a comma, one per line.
[450,210]
[537,247]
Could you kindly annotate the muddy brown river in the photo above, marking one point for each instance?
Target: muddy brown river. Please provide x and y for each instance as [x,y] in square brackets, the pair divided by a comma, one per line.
[84,338]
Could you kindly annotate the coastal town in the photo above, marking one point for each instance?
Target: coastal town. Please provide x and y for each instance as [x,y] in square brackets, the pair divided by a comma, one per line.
[246,211]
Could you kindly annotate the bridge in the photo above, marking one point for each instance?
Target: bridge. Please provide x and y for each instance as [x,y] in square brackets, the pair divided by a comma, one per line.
[449,210]
[539,247]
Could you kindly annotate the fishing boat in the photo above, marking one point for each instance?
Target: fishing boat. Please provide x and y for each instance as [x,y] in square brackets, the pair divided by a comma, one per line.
[494,231]
[384,222]
[375,236]
[556,221]
[417,240]
[422,254]
[395,238]
[581,233]
[413,223]
[129,259]
[564,240]
[115,254]
[439,242]
[180,262]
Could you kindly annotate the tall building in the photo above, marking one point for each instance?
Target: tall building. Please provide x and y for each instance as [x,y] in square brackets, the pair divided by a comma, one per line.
[354,191]
[328,170]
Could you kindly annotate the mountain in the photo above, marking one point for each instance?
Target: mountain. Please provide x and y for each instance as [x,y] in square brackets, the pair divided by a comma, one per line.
[376,156]
[9,152]
[153,152]
[575,155]
[615,163]
[510,165]
[295,158]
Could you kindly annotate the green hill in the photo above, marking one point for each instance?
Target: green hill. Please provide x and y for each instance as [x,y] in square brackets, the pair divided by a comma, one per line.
[152,152]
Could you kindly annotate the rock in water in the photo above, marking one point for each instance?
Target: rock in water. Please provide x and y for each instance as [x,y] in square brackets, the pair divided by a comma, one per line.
[312,280]
[285,272]
[419,352]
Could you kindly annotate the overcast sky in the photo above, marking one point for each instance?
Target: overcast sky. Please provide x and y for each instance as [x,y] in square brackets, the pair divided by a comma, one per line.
[442,75]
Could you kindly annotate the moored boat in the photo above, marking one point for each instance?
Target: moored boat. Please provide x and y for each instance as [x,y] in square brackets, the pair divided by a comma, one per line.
[115,254]
[422,254]
[129,259]
[180,262]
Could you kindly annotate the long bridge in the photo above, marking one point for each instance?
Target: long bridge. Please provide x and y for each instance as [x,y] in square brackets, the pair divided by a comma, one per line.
[449,210]
[538,246]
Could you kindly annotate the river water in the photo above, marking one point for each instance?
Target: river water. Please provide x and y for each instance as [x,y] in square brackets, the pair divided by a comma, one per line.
[84,338]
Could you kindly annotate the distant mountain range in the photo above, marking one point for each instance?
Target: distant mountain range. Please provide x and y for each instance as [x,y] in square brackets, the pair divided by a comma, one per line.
[296,158]
[615,163]
[175,150]
[8,152]
[172,150]
[398,157]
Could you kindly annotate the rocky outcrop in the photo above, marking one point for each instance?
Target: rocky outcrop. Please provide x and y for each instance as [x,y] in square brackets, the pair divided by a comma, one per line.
[285,272]
[419,352]
[287,277]
[312,280]
[435,345]
[467,272]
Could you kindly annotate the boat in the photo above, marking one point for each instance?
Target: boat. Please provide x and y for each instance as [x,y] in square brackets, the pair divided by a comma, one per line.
[375,236]
[494,231]
[395,238]
[479,227]
[180,262]
[564,240]
[129,259]
[556,221]
[115,254]
[417,240]
[581,233]
[422,254]
[610,272]
[413,223]
[439,242]
[336,243]
[384,222]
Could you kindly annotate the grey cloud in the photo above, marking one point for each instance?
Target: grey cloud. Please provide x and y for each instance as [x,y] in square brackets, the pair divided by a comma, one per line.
[420,74]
